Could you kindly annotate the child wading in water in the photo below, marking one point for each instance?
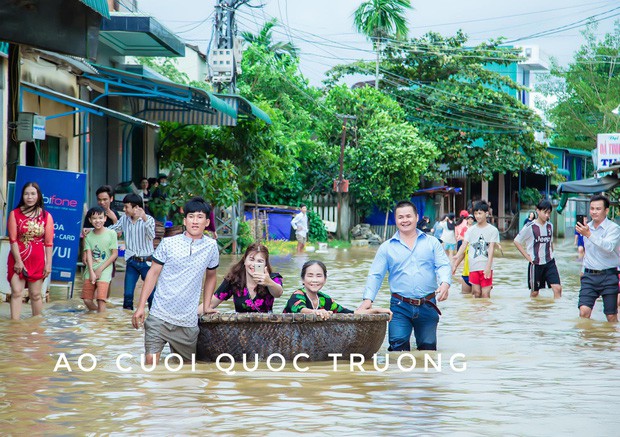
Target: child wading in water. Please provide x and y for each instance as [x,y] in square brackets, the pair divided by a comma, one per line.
[101,248]
[535,243]
[482,238]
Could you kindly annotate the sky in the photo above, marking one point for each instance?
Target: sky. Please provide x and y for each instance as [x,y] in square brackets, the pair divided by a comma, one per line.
[324,31]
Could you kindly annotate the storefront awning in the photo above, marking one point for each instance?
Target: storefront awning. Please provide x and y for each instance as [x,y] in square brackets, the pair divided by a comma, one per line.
[81,105]
[131,34]
[444,189]
[161,100]
[100,6]
[245,108]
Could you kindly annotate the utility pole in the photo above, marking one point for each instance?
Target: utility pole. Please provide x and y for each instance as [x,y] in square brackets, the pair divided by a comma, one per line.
[225,54]
[340,183]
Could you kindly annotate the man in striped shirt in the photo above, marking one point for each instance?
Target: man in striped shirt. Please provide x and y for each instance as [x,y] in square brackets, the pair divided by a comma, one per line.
[537,237]
[139,231]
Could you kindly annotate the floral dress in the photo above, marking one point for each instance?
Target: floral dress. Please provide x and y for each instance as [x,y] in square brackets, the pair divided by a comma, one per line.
[243,302]
[299,300]
[32,235]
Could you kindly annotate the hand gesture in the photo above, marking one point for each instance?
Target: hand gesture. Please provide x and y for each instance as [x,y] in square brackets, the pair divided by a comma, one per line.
[93,276]
[323,314]
[487,273]
[442,292]
[19,266]
[137,320]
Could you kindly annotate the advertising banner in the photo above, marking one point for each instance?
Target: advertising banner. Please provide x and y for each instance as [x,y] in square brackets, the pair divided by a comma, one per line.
[608,150]
[63,197]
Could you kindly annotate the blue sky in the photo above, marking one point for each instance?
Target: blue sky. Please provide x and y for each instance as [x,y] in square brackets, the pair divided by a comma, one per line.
[323,29]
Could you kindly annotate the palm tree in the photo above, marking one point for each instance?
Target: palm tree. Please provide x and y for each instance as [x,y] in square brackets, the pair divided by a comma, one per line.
[264,38]
[381,19]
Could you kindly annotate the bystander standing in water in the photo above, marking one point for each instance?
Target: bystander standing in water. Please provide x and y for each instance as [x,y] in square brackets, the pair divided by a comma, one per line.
[416,262]
[535,242]
[600,262]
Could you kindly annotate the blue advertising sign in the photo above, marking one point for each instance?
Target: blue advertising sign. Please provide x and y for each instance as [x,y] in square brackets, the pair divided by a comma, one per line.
[63,197]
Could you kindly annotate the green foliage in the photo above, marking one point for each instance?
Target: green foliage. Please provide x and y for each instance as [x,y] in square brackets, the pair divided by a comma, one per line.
[316,227]
[587,91]
[264,39]
[389,162]
[530,196]
[378,19]
[339,244]
[280,247]
[385,157]
[207,177]
[244,235]
[456,97]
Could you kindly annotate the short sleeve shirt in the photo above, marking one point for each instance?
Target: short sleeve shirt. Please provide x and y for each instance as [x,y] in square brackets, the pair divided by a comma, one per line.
[479,239]
[179,286]
[101,247]
[538,240]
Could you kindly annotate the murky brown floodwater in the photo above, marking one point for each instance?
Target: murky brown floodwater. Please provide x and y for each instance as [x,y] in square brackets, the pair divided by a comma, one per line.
[533,368]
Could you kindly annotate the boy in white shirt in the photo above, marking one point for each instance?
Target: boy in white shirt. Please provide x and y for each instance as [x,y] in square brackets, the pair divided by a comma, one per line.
[482,239]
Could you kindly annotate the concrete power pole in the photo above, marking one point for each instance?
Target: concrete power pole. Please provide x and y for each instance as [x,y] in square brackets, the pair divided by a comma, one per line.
[225,53]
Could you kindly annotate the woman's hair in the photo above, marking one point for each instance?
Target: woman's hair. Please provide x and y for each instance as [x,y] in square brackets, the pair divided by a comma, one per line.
[38,203]
[236,274]
[311,263]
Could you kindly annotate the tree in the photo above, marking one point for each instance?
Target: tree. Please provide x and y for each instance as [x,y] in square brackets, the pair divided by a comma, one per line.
[385,157]
[457,98]
[587,91]
[379,20]
[264,39]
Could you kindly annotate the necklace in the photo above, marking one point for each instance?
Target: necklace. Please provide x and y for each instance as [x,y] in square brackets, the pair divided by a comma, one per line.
[318,302]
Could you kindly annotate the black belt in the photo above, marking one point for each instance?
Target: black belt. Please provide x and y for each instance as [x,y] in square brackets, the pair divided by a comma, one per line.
[418,302]
[142,259]
[613,270]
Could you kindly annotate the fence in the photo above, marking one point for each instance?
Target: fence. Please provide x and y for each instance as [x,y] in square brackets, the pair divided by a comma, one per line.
[326,206]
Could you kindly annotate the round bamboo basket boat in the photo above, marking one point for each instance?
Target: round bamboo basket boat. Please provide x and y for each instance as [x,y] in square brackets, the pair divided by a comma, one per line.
[264,334]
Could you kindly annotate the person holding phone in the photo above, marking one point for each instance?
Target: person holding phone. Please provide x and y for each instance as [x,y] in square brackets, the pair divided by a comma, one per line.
[31,236]
[251,283]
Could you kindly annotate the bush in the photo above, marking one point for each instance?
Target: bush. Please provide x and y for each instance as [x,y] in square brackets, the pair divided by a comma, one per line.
[530,196]
[316,228]
[244,235]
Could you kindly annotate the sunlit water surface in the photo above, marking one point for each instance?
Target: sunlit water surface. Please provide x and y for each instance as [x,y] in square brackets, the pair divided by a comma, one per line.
[532,368]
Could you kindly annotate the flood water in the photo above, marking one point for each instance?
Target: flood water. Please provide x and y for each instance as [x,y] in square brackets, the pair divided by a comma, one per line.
[532,368]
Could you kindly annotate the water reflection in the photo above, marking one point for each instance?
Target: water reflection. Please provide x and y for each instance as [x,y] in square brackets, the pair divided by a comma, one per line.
[526,358]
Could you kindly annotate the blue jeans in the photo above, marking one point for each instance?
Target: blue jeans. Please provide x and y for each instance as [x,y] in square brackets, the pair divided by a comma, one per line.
[134,270]
[421,319]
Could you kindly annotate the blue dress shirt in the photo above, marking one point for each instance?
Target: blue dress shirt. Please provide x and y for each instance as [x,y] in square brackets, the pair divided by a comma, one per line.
[414,273]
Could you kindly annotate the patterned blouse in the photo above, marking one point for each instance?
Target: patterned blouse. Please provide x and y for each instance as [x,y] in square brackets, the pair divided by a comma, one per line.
[299,300]
[243,302]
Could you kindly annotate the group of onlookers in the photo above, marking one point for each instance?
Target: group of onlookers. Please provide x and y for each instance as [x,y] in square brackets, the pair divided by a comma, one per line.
[184,266]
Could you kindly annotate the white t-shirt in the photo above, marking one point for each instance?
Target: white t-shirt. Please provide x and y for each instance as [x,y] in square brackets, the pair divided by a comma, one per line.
[538,240]
[479,239]
[185,261]
[448,236]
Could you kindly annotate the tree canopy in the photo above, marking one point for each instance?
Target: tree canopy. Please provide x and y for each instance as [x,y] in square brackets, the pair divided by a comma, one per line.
[463,99]
[587,92]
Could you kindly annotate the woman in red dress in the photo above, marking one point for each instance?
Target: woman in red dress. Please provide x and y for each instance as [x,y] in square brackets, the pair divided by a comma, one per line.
[31,234]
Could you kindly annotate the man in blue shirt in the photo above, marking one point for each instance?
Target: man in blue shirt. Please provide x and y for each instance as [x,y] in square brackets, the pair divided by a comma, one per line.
[415,262]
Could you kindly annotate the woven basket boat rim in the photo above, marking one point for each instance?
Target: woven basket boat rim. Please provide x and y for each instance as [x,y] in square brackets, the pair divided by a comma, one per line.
[290,318]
